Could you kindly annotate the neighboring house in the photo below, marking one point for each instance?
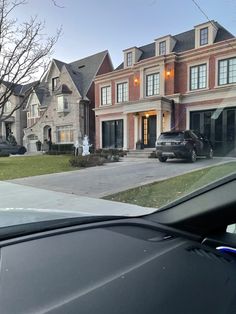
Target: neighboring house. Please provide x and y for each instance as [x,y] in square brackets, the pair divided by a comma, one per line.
[177,82]
[17,121]
[60,109]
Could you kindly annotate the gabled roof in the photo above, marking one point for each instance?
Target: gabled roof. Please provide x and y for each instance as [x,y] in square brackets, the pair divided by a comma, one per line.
[83,71]
[184,41]
[19,89]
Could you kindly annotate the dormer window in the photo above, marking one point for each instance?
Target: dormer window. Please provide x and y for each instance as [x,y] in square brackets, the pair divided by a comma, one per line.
[55,83]
[131,56]
[162,48]
[129,59]
[164,45]
[204,36]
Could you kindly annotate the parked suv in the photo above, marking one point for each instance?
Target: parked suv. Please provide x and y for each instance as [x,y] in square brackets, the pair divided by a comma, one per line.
[183,144]
[7,148]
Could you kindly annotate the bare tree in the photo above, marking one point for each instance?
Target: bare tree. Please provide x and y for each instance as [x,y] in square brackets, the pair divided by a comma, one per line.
[25,52]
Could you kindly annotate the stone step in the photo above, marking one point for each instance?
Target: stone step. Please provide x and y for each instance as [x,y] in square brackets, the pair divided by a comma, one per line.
[139,153]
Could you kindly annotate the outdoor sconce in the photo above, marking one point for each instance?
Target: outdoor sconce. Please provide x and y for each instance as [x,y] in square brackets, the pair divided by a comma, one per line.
[168,73]
[147,115]
[136,81]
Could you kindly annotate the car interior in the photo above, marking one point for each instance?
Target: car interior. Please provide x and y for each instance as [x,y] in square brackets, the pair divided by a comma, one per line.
[180,259]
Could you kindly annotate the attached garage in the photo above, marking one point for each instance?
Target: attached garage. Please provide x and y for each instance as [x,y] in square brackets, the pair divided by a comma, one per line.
[219,125]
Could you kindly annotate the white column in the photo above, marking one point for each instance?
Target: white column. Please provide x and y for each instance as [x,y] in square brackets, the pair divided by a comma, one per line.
[159,123]
[125,134]
[3,130]
[136,129]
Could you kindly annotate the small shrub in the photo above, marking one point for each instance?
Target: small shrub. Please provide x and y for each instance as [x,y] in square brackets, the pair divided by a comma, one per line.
[4,154]
[86,161]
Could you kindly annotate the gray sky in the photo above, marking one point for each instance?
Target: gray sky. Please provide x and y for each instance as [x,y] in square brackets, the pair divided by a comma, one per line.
[90,26]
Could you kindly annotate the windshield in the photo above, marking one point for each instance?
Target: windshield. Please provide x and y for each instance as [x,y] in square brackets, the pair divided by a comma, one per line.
[113,108]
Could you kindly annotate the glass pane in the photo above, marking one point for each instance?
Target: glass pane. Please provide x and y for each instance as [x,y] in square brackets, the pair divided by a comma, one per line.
[223,72]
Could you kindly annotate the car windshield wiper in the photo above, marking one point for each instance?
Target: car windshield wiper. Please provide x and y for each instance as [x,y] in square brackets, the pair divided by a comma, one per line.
[25,229]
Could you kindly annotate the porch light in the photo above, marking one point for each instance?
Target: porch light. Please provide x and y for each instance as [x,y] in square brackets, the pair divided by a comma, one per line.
[136,81]
[147,115]
[168,73]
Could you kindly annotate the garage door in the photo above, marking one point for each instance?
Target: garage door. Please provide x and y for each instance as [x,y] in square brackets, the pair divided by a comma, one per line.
[220,126]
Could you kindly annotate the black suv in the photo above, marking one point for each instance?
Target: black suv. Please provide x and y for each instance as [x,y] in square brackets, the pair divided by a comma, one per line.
[183,144]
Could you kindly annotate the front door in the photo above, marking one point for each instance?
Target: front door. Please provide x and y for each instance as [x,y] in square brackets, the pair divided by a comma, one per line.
[149,131]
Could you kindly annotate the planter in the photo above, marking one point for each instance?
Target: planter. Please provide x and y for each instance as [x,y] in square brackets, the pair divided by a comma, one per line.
[139,145]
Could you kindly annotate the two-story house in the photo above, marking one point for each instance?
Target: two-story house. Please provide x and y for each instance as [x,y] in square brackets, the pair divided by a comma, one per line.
[177,82]
[14,122]
[60,108]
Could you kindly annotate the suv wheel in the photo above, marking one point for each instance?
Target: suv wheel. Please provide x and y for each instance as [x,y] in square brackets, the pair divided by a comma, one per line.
[162,159]
[193,156]
[210,154]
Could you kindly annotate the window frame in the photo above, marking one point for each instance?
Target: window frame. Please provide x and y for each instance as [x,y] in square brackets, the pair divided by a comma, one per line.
[161,53]
[34,113]
[198,77]
[102,88]
[204,36]
[123,99]
[129,59]
[153,85]
[55,83]
[227,73]
[63,128]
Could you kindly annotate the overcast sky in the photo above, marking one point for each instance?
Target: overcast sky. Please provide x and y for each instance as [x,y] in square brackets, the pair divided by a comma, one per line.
[90,26]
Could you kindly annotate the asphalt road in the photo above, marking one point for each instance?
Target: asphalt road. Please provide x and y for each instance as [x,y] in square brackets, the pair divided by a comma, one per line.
[114,177]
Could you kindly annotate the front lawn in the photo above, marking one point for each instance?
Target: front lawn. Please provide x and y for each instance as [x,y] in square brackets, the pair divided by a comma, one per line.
[160,193]
[19,167]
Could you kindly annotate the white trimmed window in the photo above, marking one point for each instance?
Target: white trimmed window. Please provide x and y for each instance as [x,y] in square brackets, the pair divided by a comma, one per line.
[153,84]
[227,71]
[8,107]
[198,77]
[106,95]
[204,36]
[34,111]
[122,92]
[62,104]
[65,134]
[162,48]
[129,59]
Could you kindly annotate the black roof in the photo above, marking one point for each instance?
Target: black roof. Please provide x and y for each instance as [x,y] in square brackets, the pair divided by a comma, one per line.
[184,41]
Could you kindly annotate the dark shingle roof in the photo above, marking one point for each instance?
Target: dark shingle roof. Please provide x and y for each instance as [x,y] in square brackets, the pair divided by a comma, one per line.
[83,71]
[184,42]
[19,89]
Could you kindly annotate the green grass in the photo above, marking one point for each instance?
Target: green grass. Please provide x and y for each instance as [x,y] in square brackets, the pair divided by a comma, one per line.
[19,167]
[160,193]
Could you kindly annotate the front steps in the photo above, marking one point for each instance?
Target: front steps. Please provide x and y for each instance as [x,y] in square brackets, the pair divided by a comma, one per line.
[140,153]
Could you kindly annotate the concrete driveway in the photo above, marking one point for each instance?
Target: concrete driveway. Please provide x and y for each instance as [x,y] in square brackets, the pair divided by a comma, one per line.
[97,182]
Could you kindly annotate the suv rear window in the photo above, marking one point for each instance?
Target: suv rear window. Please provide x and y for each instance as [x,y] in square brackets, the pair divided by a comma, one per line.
[172,136]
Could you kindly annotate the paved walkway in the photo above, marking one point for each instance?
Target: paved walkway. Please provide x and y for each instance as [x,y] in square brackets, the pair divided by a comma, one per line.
[114,177]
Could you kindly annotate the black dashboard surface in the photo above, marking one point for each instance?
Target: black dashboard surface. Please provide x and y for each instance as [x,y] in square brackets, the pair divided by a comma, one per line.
[115,269]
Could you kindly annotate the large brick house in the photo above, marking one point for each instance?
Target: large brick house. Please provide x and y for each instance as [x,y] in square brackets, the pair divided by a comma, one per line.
[60,108]
[177,82]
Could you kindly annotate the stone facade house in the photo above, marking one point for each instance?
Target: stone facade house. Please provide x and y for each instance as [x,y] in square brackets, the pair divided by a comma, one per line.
[17,121]
[177,82]
[60,108]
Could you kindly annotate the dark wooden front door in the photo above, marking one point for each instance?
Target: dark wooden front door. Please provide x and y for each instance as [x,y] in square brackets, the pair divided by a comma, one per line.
[149,131]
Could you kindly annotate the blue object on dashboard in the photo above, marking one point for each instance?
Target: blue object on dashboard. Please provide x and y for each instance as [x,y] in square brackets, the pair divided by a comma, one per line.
[226,249]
